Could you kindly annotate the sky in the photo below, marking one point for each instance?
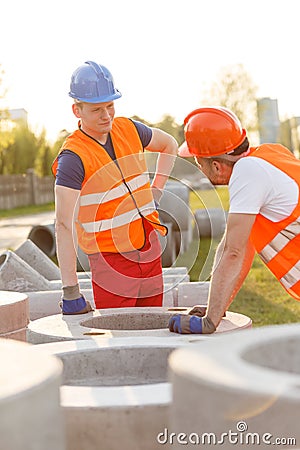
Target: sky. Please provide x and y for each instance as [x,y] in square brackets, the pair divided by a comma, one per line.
[163,54]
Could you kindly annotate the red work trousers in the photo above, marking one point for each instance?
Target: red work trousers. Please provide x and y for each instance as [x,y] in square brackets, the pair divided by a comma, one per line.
[129,279]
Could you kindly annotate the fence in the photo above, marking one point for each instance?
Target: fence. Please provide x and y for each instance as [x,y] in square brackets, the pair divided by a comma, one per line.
[25,189]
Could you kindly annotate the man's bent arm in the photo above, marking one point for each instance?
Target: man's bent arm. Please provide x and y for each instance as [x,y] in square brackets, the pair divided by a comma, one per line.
[232,263]
[167,147]
[66,201]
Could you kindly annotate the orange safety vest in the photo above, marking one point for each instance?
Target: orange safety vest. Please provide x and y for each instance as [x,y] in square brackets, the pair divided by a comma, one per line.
[278,243]
[116,195]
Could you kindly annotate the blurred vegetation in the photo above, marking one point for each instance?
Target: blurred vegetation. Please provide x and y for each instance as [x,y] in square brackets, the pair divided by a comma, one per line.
[234,88]
[24,210]
[211,198]
[167,124]
[22,149]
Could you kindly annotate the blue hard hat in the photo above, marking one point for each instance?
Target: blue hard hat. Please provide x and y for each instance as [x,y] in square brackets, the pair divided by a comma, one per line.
[93,83]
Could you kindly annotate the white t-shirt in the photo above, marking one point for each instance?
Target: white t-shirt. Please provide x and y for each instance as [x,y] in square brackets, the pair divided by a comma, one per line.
[257,186]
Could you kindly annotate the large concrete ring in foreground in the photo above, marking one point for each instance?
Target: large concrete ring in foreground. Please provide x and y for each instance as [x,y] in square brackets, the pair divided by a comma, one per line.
[14,315]
[120,322]
[30,412]
[115,392]
[238,387]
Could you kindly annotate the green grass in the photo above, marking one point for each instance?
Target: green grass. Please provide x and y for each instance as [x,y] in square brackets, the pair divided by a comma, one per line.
[24,210]
[264,300]
[261,297]
[212,198]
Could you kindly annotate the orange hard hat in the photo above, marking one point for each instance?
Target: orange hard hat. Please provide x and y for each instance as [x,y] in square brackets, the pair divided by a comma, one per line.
[211,131]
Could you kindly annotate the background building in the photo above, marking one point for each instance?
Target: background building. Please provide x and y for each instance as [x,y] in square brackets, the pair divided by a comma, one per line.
[268,120]
[18,115]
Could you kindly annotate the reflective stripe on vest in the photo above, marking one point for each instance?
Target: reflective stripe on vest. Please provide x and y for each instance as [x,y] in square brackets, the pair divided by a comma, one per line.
[292,277]
[278,243]
[281,240]
[119,191]
[118,221]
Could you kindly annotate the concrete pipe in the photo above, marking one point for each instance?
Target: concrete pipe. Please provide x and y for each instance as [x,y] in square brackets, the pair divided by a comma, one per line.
[44,237]
[120,322]
[86,283]
[192,293]
[209,222]
[30,411]
[238,389]
[46,303]
[174,206]
[168,246]
[175,279]
[83,264]
[175,270]
[17,275]
[120,397]
[38,260]
[183,239]
[166,271]
[175,193]
[14,315]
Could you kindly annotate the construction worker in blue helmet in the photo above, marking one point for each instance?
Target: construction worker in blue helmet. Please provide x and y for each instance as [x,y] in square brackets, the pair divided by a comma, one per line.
[105,202]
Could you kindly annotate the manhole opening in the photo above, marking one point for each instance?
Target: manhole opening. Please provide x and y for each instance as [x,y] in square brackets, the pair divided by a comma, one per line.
[116,366]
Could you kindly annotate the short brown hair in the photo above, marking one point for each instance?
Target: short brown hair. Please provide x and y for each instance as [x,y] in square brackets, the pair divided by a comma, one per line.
[243,147]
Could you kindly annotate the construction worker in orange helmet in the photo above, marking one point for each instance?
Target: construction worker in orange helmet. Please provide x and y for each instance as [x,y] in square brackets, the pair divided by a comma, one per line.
[264,212]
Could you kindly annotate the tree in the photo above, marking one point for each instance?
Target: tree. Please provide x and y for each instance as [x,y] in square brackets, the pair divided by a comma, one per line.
[63,134]
[139,119]
[167,124]
[21,153]
[5,134]
[235,89]
[44,157]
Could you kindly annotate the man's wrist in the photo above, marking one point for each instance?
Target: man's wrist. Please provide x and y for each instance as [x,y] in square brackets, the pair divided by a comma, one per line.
[71,292]
[208,326]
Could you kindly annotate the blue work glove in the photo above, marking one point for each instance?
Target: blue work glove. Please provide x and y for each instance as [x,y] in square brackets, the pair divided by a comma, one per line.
[188,324]
[73,302]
